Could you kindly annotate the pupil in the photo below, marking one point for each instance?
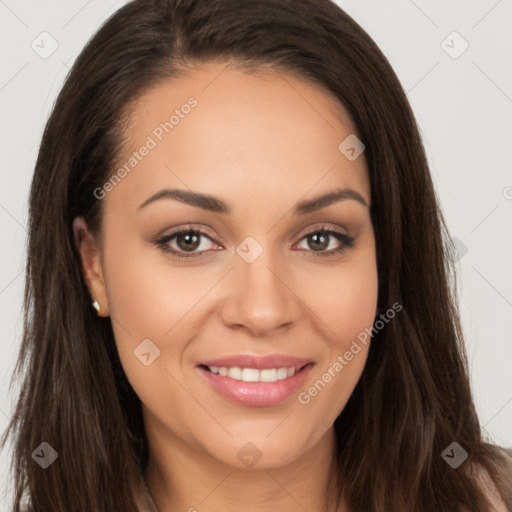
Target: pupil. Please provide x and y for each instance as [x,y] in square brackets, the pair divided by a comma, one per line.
[191,241]
[315,237]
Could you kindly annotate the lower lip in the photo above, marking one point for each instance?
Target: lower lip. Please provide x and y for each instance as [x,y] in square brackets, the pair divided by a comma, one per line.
[257,394]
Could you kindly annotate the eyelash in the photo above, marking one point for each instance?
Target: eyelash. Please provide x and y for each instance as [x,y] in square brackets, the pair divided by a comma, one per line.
[346,242]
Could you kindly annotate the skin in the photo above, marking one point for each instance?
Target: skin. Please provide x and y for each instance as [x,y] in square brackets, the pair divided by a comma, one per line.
[261,143]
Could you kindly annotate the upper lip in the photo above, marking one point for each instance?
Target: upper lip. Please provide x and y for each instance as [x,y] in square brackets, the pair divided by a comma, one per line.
[258,362]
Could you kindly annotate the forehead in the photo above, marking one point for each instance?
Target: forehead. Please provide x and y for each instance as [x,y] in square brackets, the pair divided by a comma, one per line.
[229,132]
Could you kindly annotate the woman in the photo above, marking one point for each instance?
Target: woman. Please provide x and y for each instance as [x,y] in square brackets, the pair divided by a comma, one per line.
[238,289]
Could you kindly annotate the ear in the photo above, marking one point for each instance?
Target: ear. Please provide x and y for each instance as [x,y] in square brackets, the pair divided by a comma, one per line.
[91,264]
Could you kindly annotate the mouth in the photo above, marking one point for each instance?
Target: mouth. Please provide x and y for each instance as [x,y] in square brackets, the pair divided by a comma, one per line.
[254,374]
[256,382]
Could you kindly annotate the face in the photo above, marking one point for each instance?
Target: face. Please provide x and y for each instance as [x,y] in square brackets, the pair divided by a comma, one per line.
[238,329]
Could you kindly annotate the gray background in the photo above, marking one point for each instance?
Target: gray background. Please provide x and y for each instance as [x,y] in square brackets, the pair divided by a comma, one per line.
[463,104]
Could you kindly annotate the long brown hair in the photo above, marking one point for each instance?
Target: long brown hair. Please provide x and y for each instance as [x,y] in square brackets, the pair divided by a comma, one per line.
[413,398]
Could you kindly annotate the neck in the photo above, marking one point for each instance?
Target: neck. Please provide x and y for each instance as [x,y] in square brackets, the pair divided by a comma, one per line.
[180,477]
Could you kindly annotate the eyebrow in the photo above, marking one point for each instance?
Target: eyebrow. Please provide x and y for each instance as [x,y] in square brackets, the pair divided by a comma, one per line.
[214,204]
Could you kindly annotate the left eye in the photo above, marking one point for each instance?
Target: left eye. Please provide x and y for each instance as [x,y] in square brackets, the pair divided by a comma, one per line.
[320,238]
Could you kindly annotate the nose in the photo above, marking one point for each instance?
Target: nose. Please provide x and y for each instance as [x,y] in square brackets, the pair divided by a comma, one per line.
[260,299]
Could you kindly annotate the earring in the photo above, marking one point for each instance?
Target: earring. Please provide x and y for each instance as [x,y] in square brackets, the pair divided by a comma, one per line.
[96,306]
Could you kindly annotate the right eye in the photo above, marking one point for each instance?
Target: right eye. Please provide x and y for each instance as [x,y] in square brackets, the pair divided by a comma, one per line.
[186,240]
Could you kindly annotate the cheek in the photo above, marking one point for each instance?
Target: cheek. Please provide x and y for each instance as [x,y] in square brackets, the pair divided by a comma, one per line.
[355,307]
[148,296]
[348,306]
[345,299]
[148,300]
[149,305]
[343,296]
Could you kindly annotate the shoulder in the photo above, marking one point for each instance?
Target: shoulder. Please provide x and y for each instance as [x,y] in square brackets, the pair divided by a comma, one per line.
[490,490]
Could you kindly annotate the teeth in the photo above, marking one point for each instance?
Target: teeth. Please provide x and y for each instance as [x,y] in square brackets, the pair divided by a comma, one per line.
[235,373]
[282,373]
[252,374]
[269,375]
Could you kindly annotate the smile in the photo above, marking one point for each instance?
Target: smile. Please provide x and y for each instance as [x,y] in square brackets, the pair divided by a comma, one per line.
[253,374]
[256,381]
